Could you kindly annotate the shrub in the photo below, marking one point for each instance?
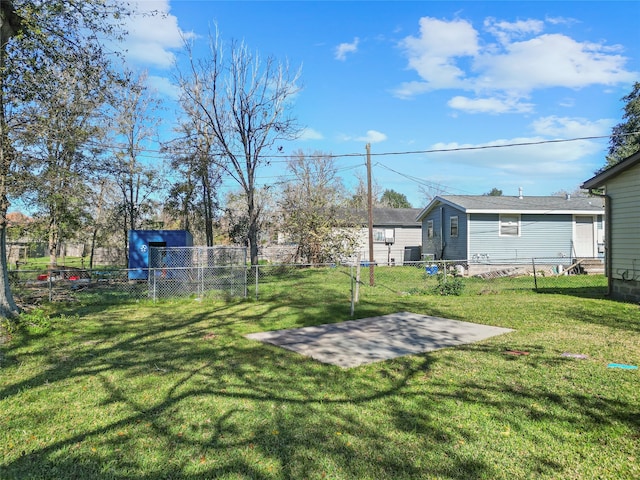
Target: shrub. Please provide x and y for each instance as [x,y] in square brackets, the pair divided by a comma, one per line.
[449,285]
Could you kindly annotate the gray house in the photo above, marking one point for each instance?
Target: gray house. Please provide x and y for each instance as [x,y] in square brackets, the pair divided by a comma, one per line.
[511,230]
[396,235]
[621,184]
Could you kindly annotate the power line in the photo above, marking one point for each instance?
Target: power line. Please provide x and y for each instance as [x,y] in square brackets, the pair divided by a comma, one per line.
[460,149]
[164,153]
[506,145]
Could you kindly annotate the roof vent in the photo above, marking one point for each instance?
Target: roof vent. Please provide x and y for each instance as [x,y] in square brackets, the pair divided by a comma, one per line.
[568,196]
[520,192]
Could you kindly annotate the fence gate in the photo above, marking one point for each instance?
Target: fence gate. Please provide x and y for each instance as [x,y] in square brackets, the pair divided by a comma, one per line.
[197,271]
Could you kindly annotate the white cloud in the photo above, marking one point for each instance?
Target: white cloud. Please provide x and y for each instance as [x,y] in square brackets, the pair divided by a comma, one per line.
[505,31]
[154,34]
[310,134]
[344,48]
[526,161]
[163,86]
[562,21]
[490,105]
[566,127]
[515,59]
[411,89]
[372,136]
[567,102]
[548,61]
[432,55]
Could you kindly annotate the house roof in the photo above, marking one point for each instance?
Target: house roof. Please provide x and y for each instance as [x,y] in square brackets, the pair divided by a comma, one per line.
[388,217]
[549,205]
[600,179]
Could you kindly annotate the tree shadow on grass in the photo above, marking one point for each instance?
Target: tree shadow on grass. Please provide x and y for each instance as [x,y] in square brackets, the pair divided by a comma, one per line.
[209,406]
[184,395]
[598,292]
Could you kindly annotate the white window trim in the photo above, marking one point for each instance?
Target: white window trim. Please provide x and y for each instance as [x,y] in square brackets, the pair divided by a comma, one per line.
[500,221]
[451,226]
[429,228]
[378,235]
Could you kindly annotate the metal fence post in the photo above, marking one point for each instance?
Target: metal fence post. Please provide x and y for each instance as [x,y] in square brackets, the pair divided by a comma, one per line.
[201,263]
[353,295]
[155,284]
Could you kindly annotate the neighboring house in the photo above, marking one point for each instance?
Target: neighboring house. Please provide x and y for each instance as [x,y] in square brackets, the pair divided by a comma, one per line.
[494,229]
[396,235]
[621,186]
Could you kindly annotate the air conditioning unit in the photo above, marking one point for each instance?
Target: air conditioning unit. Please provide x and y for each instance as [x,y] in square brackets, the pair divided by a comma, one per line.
[389,236]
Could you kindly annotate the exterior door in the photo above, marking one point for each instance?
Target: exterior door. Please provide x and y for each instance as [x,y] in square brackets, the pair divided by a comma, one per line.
[583,240]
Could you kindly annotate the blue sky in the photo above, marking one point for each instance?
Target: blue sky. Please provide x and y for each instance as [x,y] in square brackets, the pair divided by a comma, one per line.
[428,84]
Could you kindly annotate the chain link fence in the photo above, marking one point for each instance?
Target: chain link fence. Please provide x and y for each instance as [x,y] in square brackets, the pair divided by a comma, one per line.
[225,274]
[197,271]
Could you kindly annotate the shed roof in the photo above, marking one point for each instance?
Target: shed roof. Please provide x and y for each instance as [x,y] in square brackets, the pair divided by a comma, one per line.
[549,205]
[600,179]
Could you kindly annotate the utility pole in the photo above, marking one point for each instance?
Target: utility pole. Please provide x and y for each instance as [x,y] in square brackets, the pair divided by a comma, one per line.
[370,208]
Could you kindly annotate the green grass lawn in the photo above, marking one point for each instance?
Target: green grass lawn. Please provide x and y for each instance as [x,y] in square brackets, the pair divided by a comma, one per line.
[174,390]
[42,263]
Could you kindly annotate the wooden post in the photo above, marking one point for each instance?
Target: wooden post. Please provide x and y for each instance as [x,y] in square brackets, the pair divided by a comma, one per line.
[357,295]
[370,208]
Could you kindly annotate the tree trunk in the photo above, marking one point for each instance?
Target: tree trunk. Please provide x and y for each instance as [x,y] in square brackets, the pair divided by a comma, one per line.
[93,247]
[53,243]
[208,212]
[252,233]
[253,242]
[8,306]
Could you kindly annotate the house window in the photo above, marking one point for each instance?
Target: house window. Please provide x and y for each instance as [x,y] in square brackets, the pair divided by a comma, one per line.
[429,228]
[453,226]
[509,225]
[383,235]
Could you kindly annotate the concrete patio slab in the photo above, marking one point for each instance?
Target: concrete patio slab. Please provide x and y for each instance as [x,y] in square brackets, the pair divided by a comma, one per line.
[358,342]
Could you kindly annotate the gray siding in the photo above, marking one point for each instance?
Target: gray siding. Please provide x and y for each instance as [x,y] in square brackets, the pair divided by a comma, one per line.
[625,224]
[540,236]
[404,237]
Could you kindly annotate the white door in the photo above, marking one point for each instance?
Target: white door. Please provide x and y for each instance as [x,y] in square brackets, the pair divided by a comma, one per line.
[583,240]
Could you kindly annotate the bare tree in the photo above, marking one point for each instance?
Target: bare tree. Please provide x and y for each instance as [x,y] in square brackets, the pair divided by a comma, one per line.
[193,196]
[360,197]
[244,103]
[314,213]
[102,199]
[138,181]
[432,190]
[235,222]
